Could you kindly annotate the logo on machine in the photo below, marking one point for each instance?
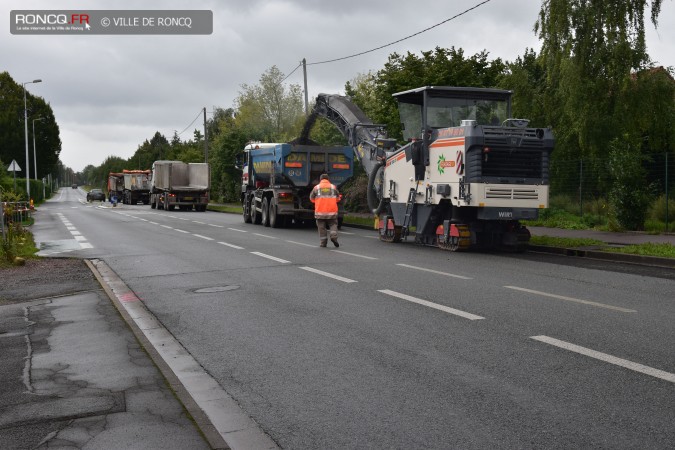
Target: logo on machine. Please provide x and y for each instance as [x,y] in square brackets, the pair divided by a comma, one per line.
[443,164]
[505,214]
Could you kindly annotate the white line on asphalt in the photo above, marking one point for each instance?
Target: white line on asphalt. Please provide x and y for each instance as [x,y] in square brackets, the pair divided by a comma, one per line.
[353,254]
[435,271]
[347,233]
[173,217]
[236,229]
[371,237]
[265,236]
[231,245]
[197,221]
[80,238]
[144,220]
[74,232]
[203,237]
[180,231]
[575,300]
[607,358]
[329,275]
[217,226]
[446,309]
[86,245]
[301,243]
[71,228]
[166,226]
[273,258]
[154,223]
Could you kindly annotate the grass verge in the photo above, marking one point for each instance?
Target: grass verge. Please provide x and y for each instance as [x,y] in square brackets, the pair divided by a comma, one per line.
[647,249]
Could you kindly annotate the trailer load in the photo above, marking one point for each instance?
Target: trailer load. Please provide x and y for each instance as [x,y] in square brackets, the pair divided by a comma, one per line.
[175,183]
[136,186]
[277,179]
[115,185]
[467,175]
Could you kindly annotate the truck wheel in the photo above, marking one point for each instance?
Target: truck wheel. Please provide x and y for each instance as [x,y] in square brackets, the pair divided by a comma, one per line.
[255,215]
[247,216]
[275,220]
[266,212]
[152,204]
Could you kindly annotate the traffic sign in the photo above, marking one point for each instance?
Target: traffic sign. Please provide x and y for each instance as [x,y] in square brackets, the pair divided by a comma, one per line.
[14,167]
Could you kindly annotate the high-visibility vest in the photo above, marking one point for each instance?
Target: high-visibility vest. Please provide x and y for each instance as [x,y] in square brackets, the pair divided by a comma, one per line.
[325,197]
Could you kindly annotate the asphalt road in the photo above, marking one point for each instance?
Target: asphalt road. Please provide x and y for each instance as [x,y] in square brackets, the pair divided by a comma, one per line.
[376,345]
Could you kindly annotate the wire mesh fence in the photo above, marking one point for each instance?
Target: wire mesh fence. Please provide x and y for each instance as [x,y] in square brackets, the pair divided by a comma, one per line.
[582,186]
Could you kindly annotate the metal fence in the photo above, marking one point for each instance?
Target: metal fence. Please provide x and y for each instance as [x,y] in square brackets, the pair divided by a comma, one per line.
[586,183]
[13,212]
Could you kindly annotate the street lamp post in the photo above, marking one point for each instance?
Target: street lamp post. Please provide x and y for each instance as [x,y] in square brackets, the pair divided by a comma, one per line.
[34,153]
[25,126]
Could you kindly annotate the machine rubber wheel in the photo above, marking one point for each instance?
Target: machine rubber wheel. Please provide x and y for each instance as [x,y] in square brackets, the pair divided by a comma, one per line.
[247,217]
[255,215]
[266,212]
[276,221]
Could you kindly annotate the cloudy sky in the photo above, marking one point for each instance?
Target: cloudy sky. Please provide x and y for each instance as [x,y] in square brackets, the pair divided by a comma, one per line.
[110,93]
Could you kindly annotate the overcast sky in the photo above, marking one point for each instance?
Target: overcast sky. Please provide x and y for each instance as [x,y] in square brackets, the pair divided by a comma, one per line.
[110,93]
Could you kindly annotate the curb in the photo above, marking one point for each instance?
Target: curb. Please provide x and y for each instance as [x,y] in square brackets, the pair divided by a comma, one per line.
[218,417]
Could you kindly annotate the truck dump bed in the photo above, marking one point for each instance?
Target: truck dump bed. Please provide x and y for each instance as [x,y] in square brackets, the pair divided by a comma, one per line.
[180,176]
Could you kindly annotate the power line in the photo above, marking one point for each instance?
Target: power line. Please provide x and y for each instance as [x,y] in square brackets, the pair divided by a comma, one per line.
[399,40]
[191,123]
[292,72]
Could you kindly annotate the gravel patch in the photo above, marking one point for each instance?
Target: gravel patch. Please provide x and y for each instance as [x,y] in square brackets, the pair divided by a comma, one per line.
[45,277]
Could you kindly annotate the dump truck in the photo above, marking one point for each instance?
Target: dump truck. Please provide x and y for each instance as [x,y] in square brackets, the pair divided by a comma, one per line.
[136,186]
[175,183]
[277,179]
[466,176]
[116,185]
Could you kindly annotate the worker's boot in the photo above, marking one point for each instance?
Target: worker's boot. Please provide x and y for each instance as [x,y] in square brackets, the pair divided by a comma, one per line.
[323,243]
[335,242]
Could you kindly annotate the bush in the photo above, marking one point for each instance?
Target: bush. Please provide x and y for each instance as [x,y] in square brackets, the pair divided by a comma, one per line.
[657,211]
[628,195]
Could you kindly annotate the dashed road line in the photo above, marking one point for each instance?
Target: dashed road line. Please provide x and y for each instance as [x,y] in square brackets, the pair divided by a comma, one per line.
[265,236]
[231,245]
[166,226]
[301,243]
[273,258]
[574,300]
[197,221]
[353,254]
[329,275]
[203,237]
[437,272]
[657,373]
[213,225]
[180,231]
[154,223]
[238,230]
[429,304]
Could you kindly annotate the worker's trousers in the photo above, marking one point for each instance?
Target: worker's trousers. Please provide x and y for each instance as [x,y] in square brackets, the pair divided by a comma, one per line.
[325,226]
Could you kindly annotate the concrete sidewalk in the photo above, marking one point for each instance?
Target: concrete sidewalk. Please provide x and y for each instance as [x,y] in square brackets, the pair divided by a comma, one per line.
[87,366]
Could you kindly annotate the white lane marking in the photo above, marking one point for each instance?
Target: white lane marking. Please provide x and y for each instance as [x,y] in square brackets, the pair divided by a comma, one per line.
[607,358]
[236,229]
[265,236]
[203,237]
[443,308]
[301,243]
[80,238]
[183,218]
[86,245]
[71,228]
[231,245]
[371,237]
[575,300]
[154,223]
[74,232]
[329,275]
[173,217]
[273,258]
[435,271]
[166,226]
[180,231]
[217,226]
[346,232]
[353,254]
[197,221]
[144,220]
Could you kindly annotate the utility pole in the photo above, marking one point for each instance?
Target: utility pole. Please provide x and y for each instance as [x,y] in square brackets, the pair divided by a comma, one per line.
[206,140]
[304,72]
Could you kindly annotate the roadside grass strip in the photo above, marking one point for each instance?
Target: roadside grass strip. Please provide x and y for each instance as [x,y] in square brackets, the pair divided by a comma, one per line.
[435,271]
[329,275]
[574,300]
[663,375]
[429,304]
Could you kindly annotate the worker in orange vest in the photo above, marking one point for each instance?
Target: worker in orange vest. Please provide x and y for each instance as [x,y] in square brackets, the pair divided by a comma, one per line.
[325,197]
